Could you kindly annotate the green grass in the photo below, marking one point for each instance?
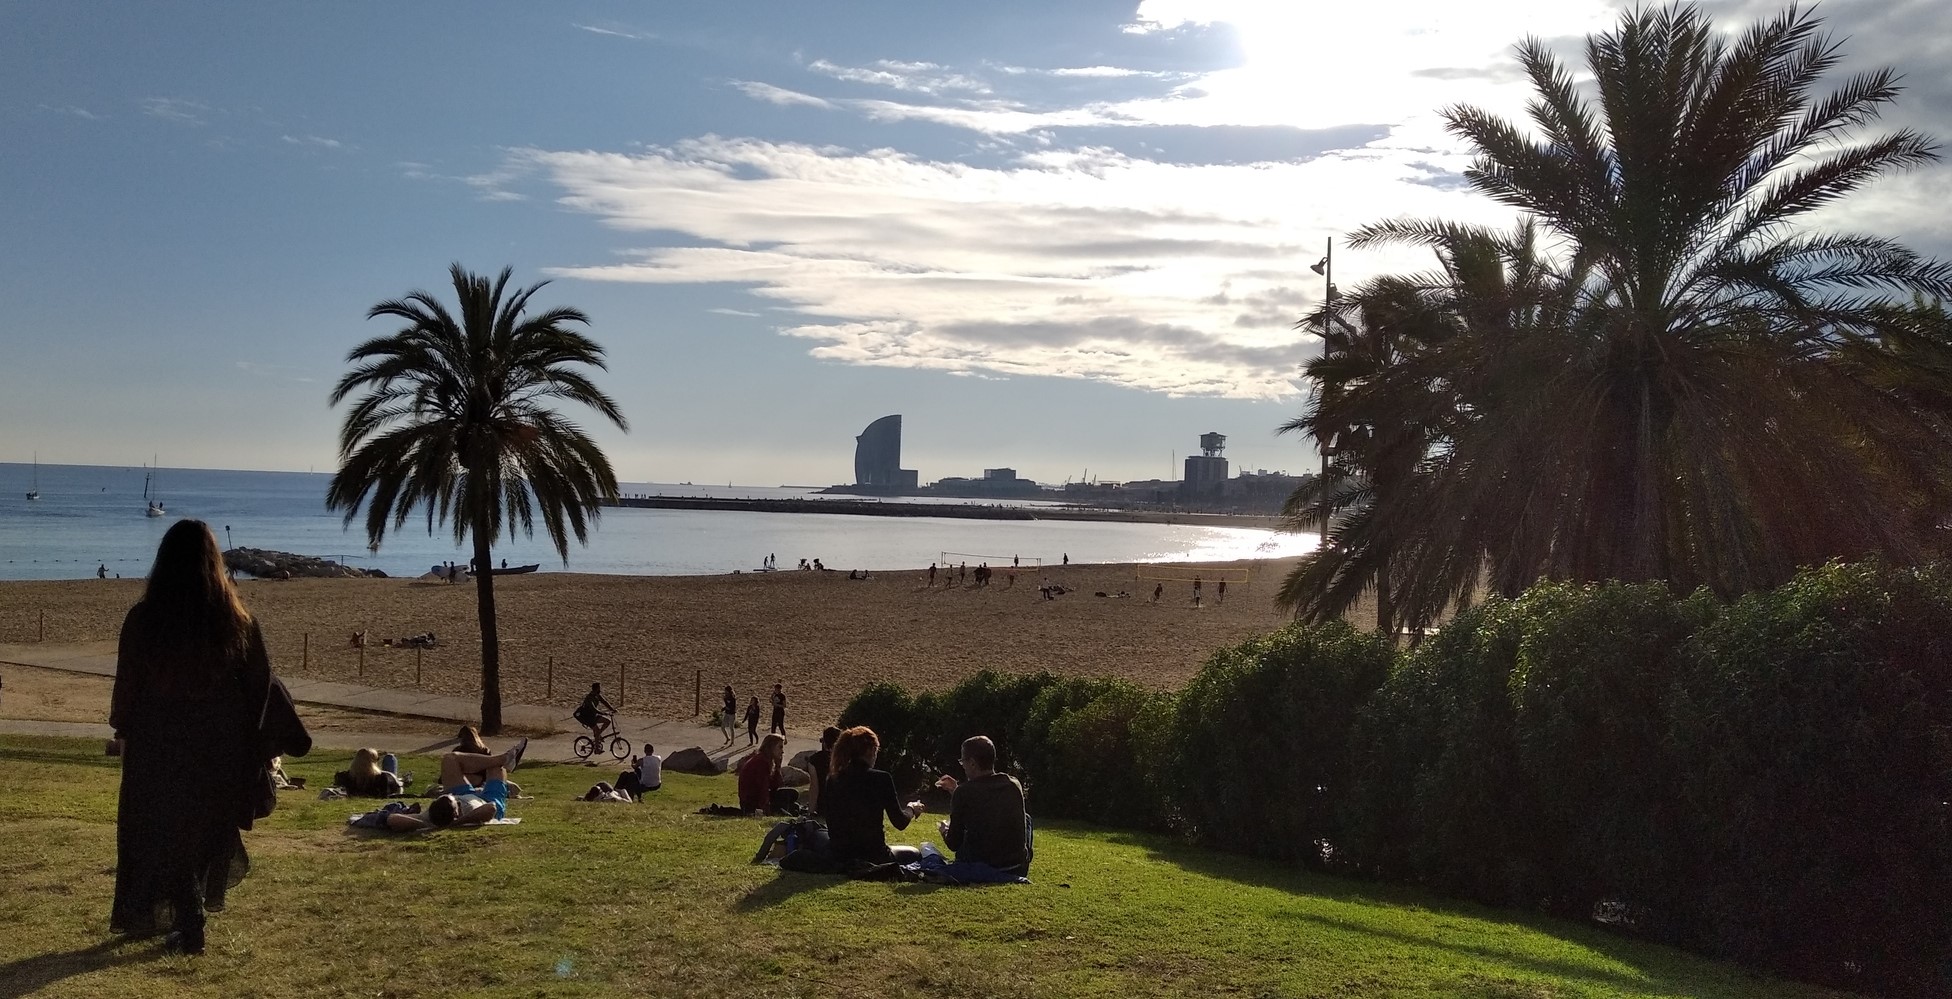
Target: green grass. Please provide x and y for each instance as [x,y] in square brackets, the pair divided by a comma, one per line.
[651,899]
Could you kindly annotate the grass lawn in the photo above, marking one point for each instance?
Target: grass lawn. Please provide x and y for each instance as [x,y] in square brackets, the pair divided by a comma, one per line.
[652,899]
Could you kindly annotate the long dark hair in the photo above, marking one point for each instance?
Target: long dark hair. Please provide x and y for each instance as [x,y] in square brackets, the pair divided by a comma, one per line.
[191,618]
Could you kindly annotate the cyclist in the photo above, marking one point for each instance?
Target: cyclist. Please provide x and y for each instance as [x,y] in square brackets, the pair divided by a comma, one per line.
[595,713]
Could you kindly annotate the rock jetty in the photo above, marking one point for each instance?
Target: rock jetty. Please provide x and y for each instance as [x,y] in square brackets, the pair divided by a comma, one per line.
[276,565]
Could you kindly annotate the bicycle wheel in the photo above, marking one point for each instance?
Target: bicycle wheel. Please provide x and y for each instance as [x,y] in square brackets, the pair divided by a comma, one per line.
[585,747]
[620,747]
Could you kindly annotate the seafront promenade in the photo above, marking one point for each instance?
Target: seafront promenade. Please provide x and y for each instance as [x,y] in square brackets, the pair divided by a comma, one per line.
[550,729]
[955,511]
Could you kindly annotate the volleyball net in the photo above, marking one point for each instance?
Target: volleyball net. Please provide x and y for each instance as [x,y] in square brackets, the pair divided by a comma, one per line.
[1170,571]
[995,561]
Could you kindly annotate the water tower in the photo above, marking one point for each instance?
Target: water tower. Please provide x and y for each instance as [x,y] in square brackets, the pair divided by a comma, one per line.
[1206,472]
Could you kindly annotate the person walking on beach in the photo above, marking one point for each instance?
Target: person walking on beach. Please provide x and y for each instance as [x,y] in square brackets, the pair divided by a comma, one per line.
[1158,590]
[101,572]
[192,685]
[1222,591]
[931,574]
[779,711]
[752,722]
[728,715]
[1067,558]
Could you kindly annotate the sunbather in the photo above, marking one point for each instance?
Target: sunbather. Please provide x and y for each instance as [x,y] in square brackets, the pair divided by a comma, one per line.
[464,803]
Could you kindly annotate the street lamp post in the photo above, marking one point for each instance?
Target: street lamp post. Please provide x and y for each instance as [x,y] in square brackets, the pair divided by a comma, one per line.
[227,541]
[1326,268]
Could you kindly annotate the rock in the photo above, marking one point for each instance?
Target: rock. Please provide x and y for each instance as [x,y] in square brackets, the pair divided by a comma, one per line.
[265,564]
[800,760]
[793,776]
[694,761]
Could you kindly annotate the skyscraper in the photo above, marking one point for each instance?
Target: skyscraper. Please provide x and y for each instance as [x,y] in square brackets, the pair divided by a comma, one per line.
[877,457]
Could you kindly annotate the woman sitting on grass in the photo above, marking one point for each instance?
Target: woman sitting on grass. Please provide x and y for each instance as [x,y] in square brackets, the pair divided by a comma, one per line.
[367,779]
[760,782]
[853,799]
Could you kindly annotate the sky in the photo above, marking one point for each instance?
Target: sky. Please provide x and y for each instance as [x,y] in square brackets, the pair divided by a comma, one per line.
[1066,237]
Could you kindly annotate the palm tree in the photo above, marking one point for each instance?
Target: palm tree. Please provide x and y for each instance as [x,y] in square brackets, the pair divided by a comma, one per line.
[1692,403]
[456,422]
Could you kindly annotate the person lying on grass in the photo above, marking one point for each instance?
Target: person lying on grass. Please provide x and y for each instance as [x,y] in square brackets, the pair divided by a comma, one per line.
[464,803]
[468,740]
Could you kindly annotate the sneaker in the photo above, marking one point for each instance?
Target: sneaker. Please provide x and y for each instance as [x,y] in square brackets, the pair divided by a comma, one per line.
[515,754]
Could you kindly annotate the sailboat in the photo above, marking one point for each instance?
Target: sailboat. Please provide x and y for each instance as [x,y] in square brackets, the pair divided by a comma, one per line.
[34,493]
[153,507]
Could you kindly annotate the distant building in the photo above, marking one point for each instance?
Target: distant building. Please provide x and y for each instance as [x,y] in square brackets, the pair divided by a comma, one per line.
[1006,474]
[1206,472]
[877,457]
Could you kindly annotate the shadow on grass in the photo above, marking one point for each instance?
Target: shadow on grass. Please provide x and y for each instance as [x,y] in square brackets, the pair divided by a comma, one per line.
[57,757]
[32,974]
[1652,963]
[783,887]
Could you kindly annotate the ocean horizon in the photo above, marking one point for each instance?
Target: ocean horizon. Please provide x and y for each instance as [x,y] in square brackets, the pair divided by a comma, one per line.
[91,516]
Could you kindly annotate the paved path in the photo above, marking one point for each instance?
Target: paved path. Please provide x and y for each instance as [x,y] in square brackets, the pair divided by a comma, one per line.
[554,729]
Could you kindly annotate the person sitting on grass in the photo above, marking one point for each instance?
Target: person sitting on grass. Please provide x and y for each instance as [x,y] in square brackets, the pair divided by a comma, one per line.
[761,786]
[368,779]
[853,799]
[646,774]
[464,803]
[987,827]
[604,791]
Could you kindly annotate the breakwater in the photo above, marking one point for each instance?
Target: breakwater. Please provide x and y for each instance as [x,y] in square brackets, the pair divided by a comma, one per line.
[957,511]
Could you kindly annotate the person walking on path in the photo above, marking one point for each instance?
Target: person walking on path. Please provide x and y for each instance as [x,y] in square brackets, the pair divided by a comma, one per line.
[728,715]
[193,686]
[752,723]
[779,711]
[1221,590]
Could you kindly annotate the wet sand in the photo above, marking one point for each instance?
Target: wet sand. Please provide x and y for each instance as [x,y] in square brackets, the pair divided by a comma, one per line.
[648,638]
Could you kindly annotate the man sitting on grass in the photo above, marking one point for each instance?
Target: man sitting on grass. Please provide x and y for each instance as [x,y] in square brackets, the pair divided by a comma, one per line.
[987,827]
[463,803]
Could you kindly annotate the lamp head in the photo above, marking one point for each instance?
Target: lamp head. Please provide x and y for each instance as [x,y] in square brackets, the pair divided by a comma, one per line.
[1319,265]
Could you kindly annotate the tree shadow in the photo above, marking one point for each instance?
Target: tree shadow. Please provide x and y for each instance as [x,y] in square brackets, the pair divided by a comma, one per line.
[1653,965]
[785,886]
[32,974]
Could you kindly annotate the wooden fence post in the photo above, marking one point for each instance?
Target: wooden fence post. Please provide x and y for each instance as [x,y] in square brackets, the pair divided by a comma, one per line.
[305,658]
[43,626]
[362,660]
[549,690]
[620,683]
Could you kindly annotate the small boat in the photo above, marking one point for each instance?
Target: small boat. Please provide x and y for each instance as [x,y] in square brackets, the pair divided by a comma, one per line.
[154,505]
[515,570]
[34,492]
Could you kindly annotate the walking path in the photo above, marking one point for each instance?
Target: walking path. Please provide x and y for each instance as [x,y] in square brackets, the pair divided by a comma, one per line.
[552,730]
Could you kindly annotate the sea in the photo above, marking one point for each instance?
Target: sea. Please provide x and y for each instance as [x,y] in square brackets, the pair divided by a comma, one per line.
[90,516]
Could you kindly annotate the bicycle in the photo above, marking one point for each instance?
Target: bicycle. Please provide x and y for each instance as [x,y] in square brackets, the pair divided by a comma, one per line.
[588,745]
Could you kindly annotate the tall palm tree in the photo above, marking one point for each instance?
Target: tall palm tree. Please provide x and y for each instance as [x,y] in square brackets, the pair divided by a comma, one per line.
[1696,407]
[455,421]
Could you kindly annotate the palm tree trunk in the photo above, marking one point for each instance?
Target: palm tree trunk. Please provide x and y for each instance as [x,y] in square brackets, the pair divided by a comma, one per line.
[491,653]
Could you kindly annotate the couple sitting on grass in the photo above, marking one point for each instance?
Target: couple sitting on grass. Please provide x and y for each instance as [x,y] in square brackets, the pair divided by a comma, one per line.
[762,785]
[987,827]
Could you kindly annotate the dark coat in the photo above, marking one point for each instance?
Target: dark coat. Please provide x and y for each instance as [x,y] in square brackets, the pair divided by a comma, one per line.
[193,767]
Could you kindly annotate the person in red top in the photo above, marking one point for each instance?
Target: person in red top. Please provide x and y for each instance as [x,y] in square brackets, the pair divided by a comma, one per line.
[760,787]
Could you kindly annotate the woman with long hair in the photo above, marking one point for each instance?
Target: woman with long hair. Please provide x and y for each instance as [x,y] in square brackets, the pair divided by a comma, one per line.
[191,684]
[854,798]
[760,780]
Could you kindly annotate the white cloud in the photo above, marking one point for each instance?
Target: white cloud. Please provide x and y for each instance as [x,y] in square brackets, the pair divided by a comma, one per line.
[1082,264]
[735,312]
[70,109]
[176,109]
[316,141]
[779,95]
[914,77]
[633,35]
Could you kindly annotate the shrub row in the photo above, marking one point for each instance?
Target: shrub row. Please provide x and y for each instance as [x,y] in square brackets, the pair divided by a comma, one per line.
[1768,781]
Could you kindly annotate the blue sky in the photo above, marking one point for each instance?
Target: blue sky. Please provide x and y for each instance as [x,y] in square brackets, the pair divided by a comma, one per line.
[1058,237]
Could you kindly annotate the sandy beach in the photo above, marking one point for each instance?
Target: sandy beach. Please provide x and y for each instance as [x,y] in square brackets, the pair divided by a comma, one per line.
[646,638]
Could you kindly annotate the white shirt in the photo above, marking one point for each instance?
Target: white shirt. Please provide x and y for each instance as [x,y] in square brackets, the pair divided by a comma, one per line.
[650,771]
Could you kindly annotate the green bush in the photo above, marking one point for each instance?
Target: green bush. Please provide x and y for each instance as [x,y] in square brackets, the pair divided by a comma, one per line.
[1063,696]
[1092,768]
[986,703]
[895,717]
[1812,728]
[1257,759]
[1593,666]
